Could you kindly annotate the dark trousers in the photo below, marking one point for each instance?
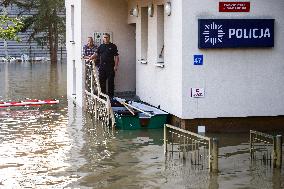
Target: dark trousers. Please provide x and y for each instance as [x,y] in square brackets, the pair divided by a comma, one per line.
[107,75]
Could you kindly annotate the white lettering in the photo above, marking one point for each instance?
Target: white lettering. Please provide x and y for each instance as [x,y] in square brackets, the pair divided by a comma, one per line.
[232,32]
[253,31]
[245,34]
[261,33]
[239,33]
[267,33]
[249,33]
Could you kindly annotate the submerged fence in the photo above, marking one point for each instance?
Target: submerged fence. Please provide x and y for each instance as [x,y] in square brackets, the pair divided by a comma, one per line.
[198,149]
[268,146]
[97,103]
[202,151]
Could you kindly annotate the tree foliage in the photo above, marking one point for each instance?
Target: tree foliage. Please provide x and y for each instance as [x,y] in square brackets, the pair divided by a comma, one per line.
[47,22]
[9,27]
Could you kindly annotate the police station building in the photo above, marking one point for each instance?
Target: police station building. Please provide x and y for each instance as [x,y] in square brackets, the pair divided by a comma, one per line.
[214,65]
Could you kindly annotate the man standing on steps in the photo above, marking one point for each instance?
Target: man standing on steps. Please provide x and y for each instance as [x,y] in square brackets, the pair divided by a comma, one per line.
[109,59]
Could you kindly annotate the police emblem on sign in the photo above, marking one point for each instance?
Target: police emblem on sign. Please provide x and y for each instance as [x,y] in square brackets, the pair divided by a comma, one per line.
[213,33]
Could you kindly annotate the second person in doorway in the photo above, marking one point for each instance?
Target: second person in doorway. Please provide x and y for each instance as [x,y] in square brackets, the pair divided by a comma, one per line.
[89,49]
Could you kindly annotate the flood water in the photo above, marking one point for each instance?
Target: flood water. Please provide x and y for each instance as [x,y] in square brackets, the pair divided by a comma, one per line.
[59,146]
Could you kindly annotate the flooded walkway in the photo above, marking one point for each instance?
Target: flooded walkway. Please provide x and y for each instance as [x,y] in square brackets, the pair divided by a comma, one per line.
[59,146]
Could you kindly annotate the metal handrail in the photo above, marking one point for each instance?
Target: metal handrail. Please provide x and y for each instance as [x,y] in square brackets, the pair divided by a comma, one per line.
[276,145]
[188,132]
[196,140]
[261,134]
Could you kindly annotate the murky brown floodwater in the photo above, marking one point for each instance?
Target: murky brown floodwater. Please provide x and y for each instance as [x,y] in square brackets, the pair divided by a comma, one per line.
[59,147]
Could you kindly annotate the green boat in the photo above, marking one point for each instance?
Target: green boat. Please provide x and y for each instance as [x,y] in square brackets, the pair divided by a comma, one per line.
[131,115]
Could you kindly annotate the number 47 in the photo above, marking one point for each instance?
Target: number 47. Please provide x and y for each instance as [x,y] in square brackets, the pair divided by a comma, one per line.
[198,60]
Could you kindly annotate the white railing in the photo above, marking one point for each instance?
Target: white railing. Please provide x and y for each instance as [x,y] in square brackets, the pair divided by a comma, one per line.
[97,103]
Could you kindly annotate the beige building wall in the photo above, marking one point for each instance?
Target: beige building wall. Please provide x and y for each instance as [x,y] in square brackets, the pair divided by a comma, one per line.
[160,86]
[238,82]
[110,15]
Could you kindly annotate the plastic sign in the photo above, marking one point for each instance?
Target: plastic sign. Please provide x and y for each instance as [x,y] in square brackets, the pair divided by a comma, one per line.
[234,6]
[197,59]
[231,33]
[197,92]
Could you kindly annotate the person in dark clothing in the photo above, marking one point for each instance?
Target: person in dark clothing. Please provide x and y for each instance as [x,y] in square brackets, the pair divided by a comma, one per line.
[109,60]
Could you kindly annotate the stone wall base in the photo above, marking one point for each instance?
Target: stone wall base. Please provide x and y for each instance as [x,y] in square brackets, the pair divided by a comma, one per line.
[231,124]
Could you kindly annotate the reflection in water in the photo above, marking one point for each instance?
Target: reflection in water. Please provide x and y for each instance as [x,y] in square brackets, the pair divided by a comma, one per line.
[59,147]
[213,181]
[32,80]
[33,147]
[276,179]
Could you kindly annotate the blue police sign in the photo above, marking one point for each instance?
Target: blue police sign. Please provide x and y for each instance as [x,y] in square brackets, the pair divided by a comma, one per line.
[230,33]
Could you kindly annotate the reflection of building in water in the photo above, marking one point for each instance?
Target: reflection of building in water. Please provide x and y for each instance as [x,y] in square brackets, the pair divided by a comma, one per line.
[37,81]
[4,80]
[31,49]
[178,170]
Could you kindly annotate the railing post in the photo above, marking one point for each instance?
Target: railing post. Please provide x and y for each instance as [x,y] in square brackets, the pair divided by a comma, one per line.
[277,151]
[250,144]
[210,155]
[165,139]
[184,150]
[91,71]
[95,108]
[215,152]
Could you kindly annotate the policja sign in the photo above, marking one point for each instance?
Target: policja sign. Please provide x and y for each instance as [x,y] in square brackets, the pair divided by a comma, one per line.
[230,33]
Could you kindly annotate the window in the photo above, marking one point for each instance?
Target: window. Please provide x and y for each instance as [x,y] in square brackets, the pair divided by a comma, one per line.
[144,34]
[160,34]
[72,23]
[74,78]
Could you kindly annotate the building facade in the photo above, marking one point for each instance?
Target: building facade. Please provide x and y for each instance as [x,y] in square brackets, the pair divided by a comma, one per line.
[195,59]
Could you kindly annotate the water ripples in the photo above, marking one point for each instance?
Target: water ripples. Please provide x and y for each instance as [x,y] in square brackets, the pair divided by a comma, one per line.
[60,147]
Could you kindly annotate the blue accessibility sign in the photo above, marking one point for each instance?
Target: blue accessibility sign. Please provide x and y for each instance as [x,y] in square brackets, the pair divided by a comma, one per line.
[231,33]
